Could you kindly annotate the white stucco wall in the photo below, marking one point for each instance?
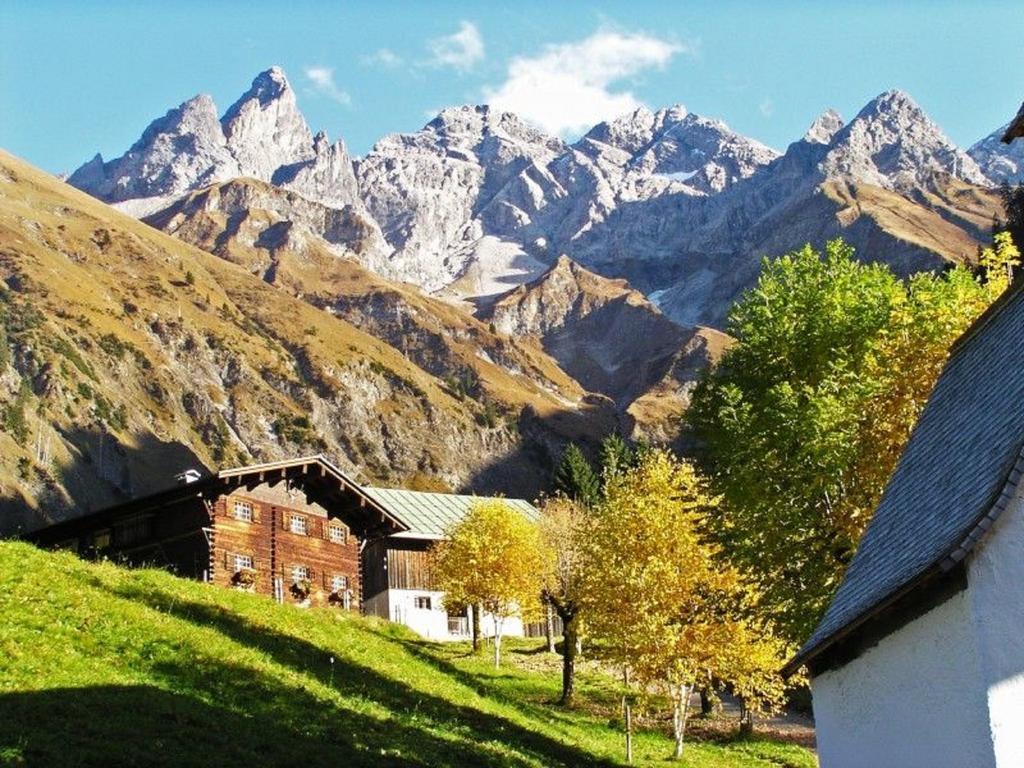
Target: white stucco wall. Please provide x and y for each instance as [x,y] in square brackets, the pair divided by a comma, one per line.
[399,605]
[996,586]
[913,701]
[947,689]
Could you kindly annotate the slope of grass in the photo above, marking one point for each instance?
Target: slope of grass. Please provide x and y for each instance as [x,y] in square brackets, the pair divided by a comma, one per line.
[101,665]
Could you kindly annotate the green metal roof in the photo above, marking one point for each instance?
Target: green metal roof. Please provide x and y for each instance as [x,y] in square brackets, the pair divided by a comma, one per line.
[431,515]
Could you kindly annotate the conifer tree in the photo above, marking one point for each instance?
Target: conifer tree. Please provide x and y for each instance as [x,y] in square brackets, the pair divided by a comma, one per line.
[575,477]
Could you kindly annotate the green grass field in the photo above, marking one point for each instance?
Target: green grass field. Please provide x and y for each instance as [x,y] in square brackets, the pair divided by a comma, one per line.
[100,665]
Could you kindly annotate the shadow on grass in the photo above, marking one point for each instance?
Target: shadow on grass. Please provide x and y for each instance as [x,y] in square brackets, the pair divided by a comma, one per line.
[473,737]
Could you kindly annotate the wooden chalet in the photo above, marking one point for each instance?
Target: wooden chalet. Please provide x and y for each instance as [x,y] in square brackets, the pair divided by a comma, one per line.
[291,529]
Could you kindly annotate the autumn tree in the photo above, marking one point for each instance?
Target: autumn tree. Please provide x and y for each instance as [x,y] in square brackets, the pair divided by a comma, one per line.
[803,420]
[659,599]
[491,560]
[563,533]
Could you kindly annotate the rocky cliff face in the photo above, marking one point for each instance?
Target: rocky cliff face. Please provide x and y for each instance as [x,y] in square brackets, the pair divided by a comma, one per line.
[612,340]
[1000,162]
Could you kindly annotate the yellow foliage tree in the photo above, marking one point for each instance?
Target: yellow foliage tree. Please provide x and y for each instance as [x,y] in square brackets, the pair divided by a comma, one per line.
[491,560]
[660,601]
[563,532]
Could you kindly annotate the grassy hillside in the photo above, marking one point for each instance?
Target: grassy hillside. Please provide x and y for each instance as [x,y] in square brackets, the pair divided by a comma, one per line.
[100,665]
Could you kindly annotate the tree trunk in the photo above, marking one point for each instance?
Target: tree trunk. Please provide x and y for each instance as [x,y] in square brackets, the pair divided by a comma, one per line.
[680,706]
[569,650]
[550,627]
[474,611]
[627,715]
[746,719]
[707,703]
[497,641]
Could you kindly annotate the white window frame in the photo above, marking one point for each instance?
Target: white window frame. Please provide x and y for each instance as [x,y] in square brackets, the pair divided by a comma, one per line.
[298,524]
[300,573]
[423,599]
[242,510]
[336,533]
[243,562]
[339,583]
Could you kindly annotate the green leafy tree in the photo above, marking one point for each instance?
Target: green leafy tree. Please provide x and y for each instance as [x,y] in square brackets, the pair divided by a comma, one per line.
[575,477]
[801,423]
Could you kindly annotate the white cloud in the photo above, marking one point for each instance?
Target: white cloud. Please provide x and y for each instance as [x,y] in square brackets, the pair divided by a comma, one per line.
[322,80]
[766,107]
[383,57]
[568,87]
[461,50]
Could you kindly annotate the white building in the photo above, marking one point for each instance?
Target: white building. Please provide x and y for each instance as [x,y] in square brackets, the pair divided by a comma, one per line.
[396,582]
[919,660]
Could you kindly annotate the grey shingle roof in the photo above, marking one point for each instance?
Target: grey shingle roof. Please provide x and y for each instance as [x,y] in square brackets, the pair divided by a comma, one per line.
[956,464]
[430,515]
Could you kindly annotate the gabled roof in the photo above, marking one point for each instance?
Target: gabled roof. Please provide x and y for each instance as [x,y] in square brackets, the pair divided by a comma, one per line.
[960,467]
[326,482]
[431,515]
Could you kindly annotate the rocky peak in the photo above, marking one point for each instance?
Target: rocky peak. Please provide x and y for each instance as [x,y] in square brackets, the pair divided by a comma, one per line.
[893,144]
[825,126]
[999,161]
[264,128]
[175,153]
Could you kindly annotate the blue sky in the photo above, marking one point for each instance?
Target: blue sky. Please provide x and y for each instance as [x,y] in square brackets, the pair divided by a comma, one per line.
[76,78]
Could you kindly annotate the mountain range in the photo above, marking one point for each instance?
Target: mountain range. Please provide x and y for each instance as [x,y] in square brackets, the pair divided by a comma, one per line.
[479,201]
[449,309]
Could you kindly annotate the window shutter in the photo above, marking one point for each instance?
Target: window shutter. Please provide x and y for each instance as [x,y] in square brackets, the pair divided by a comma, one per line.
[255,513]
[227,559]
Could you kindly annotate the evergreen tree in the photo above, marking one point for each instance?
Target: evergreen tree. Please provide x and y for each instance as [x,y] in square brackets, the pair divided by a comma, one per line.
[616,456]
[575,478]
[1013,205]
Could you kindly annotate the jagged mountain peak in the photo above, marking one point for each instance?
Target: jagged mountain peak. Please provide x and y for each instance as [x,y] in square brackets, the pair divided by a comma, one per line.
[824,127]
[1000,161]
[267,86]
[893,144]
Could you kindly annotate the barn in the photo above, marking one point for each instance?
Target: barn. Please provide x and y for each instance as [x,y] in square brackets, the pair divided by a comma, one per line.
[919,660]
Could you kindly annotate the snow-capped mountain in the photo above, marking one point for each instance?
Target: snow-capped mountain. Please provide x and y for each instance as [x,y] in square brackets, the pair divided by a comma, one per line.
[478,201]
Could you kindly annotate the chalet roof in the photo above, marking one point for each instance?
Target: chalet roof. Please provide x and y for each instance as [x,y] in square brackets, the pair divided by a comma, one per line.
[430,515]
[955,477]
[327,483]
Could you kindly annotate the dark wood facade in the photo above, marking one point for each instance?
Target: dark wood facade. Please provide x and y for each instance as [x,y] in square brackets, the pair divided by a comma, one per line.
[397,563]
[292,530]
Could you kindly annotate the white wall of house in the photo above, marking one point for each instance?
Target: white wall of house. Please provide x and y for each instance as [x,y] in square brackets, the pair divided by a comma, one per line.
[914,700]
[947,689]
[403,606]
[996,579]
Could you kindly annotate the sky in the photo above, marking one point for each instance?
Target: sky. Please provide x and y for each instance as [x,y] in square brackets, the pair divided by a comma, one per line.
[78,78]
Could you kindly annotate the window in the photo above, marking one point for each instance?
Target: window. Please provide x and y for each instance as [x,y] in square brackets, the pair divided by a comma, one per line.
[297,524]
[339,584]
[421,602]
[337,533]
[101,539]
[242,511]
[243,562]
[300,573]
